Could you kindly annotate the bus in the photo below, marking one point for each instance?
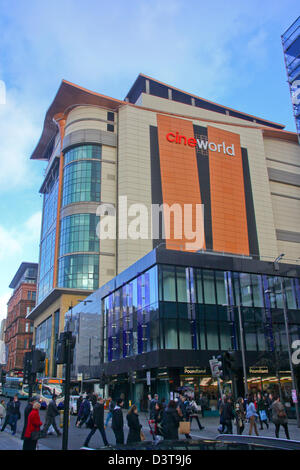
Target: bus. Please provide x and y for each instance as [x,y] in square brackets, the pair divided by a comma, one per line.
[15,386]
[46,387]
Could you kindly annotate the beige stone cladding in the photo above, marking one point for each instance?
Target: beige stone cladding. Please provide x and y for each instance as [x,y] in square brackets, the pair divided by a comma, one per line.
[87,117]
[134,175]
[284,157]
[163,104]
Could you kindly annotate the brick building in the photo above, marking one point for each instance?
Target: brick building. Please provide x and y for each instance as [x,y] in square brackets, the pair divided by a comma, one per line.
[18,332]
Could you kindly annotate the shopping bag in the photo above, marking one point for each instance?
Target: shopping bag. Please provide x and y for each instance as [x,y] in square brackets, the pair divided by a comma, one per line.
[184,427]
[263,415]
[51,430]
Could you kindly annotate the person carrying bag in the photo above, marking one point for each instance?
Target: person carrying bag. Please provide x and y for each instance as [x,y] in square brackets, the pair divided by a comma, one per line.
[33,433]
[279,417]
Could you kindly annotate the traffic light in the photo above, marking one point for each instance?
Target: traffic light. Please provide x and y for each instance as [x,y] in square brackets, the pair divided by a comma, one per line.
[103,380]
[3,376]
[230,363]
[61,347]
[38,361]
[27,367]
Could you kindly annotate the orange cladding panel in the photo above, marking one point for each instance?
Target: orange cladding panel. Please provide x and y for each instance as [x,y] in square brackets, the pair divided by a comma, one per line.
[228,207]
[180,183]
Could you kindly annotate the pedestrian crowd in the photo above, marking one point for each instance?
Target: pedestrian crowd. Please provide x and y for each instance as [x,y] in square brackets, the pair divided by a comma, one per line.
[166,421]
[254,409]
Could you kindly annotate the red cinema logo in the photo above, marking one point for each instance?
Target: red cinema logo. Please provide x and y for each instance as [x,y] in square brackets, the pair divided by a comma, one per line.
[201,144]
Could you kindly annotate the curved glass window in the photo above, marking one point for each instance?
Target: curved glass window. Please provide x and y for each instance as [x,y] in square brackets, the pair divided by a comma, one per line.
[81,182]
[83,152]
[79,272]
[78,233]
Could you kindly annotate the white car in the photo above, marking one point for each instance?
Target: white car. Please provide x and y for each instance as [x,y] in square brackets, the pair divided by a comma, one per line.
[73,404]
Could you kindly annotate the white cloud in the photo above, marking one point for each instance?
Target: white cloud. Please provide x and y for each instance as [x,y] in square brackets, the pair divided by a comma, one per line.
[33,226]
[4,298]
[9,243]
[15,244]
[17,136]
[13,241]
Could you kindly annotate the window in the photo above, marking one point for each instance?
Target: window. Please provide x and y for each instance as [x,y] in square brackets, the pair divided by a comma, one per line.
[83,152]
[221,287]
[81,182]
[79,272]
[110,116]
[78,233]
[245,282]
[181,285]
[168,281]
[257,290]
[199,286]
[110,127]
[290,293]
[209,287]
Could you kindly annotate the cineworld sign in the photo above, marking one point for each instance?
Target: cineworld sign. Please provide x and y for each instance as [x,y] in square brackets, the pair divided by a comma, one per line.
[201,144]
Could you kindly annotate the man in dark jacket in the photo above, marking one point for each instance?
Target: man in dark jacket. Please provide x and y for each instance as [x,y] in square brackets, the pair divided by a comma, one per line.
[78,405]
[52,412]
[8,415]
[170,421]
[98,418]
[15,414]
[27,410]
[117,422]
[152,406]
[227,415]
[183,404]
[85,411]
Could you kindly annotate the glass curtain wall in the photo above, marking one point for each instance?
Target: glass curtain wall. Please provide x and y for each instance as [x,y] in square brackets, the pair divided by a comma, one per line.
[78,265]
[43,336]
[197,309]
[47,250]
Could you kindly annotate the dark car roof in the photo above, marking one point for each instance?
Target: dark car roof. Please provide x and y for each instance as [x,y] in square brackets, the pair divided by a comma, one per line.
[222,442]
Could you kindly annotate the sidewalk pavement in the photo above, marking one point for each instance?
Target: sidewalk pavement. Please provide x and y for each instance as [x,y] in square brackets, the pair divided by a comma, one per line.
[211,424]
[10,442]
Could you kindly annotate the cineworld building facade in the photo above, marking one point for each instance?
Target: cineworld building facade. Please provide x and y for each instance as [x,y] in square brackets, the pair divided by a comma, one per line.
[164,305]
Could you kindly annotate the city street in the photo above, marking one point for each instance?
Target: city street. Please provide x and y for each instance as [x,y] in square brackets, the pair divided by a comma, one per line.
[77,436]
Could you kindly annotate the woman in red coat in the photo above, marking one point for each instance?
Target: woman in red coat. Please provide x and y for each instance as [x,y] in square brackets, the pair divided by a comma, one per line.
[34,424]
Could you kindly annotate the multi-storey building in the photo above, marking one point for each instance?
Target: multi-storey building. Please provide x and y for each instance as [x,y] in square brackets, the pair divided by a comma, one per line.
[161,145]
[291,49]
[2,344]
[19,329]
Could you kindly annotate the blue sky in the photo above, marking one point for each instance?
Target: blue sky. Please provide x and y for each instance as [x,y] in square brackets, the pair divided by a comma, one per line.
[228,52]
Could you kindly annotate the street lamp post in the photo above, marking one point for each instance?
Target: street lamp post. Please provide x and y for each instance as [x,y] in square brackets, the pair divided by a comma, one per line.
[242,342]
[277,362]
[243,350]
